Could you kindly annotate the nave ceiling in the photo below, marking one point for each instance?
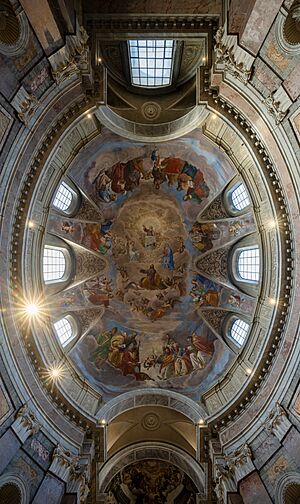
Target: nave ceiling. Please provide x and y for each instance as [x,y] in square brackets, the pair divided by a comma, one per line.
[130,362]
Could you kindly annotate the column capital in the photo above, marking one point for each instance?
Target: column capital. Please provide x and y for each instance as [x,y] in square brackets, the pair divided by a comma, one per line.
[25,424]
[224,478]
[277,422]
[63,462]
[240,462]
[78,481]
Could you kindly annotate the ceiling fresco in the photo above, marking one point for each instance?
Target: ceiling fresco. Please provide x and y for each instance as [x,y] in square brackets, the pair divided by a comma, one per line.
[151,294]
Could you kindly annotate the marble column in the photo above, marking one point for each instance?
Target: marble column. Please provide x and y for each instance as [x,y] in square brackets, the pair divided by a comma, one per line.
[222,474]
[102,441]
[24,426]
[53,486]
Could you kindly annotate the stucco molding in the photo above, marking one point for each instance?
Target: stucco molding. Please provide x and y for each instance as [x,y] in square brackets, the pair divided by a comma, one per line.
[151,397]
[152,450]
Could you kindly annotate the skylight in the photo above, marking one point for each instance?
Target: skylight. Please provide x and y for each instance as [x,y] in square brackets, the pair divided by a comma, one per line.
[151,62]
[248,264]
[63,197]
[239,331]
[64,331]
[240,199]
[54,264]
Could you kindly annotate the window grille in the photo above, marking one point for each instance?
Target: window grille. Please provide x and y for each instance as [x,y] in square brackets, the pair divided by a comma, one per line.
[239,331]
[54,264]
[64,331]
[151,62]
[248,264]
[240,198]
[63,197]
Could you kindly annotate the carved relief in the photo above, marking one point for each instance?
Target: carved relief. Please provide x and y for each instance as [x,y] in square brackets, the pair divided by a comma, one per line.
[87,264]
[278,468]
[88,318]
[215,318]
[274,107]
[240,462]
[25,105]
[215,262]
[225,55]
[277,422]
[71,58]
[150,110]
[63,462]
[215,210]
[78,483]
[224,479]
[25,424]
[151,421]
[88,212]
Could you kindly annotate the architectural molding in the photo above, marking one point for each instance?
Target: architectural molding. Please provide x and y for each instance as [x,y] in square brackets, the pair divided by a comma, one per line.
[226,57]
[277,104]
[150,450]
[25,105]
[64,463]
[151,397]
[277,422]
[25,424]
[240,462]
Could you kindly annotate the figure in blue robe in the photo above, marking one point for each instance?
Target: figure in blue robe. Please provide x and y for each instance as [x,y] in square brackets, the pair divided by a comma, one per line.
[168,258]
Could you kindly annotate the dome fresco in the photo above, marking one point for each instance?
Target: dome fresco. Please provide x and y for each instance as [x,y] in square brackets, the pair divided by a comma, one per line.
[154,308]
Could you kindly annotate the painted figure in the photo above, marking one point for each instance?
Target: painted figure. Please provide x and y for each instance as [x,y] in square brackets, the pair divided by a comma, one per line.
[152,280]
[168,258]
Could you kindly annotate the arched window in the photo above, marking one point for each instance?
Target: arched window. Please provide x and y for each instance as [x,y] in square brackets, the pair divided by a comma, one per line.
[151,62]
[54,264]
[248,264]
[65,330]
[239,197]
[239,331]
[63,197]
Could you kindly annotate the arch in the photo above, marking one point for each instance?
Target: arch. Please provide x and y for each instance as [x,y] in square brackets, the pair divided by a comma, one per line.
[288,489]
[151,397]
[151,450]
[20,38]
[19,496]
